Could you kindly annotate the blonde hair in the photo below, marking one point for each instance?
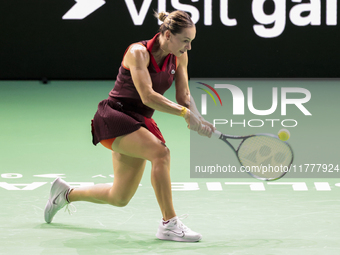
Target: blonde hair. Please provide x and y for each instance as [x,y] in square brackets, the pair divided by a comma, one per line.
[175,21]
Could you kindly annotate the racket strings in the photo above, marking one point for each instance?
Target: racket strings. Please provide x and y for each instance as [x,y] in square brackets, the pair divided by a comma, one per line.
[264,156]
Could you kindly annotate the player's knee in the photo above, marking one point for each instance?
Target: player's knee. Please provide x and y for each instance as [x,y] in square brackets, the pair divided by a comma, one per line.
[119,202]
[162,154]
[122,203]
[118,199]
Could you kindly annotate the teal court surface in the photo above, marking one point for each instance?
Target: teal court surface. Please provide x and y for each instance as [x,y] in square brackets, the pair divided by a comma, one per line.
[45,133]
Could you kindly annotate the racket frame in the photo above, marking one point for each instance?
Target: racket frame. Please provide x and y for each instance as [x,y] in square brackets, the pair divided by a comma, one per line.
[225,138]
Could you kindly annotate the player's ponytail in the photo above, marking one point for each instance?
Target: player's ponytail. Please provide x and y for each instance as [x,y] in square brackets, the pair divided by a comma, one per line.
[161,16]
[174,21]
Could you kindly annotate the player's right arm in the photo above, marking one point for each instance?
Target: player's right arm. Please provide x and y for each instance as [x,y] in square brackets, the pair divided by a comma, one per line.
[137,60]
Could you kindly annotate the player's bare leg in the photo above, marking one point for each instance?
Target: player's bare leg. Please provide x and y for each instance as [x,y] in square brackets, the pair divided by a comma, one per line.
[130,153]
[128,172]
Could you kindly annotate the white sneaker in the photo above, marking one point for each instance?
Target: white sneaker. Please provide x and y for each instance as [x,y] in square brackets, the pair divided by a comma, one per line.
[175,230]
[57,199]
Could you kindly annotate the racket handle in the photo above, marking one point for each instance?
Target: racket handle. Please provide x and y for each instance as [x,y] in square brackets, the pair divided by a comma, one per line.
[214,133]
[217,133]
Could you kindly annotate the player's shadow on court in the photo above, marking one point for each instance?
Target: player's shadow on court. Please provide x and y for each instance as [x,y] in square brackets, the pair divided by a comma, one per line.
[105,241]
[99,240]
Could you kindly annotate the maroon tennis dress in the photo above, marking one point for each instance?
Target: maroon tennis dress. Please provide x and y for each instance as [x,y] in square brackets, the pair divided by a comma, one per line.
[123,112]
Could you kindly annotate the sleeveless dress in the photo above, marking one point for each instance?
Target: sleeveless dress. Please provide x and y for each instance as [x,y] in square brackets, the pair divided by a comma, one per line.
[123,112]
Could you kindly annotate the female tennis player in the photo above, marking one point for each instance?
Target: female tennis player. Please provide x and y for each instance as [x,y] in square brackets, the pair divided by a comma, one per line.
[124,125]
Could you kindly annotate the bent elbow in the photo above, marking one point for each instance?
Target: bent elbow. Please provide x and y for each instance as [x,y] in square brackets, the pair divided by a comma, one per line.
[147,100]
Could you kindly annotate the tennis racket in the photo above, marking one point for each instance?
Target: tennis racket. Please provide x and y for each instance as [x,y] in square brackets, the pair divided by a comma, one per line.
[263,156]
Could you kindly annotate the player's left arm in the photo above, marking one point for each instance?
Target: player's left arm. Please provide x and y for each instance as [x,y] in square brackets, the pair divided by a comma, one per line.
[183,96]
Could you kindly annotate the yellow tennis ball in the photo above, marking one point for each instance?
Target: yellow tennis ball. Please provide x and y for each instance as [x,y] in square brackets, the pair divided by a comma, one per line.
[284,134]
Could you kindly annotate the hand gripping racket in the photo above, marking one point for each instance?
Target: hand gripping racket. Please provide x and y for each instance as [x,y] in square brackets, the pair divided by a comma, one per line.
[263,156]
